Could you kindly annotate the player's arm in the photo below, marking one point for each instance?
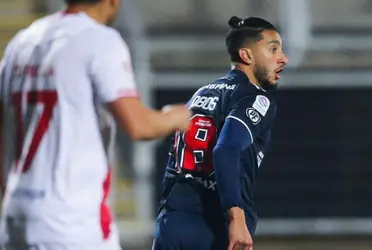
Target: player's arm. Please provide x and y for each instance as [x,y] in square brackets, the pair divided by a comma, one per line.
[240,130]
[235,137]
[2,155]
[114,83]
[142,123]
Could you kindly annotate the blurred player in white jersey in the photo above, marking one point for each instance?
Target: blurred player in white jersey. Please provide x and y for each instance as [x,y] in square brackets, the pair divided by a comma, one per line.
[63,82]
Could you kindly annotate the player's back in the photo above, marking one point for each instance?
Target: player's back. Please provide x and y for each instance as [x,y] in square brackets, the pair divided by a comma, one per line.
[191,154]
[55,151]
[190,182]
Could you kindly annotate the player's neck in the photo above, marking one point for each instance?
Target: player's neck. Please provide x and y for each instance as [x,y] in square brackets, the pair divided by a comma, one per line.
[248,73]
[91,11]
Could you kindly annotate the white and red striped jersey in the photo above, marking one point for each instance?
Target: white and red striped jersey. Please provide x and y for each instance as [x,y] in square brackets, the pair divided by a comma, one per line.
[56,77]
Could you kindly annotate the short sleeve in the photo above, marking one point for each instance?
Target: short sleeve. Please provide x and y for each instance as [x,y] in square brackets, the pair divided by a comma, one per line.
[112,71]
[252,113]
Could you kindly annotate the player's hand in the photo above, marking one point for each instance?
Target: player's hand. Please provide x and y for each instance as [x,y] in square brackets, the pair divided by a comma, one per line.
[179,115]
[239,236]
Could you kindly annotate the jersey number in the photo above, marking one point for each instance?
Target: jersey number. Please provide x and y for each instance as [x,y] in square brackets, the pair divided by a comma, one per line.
[195,147]
[48,100]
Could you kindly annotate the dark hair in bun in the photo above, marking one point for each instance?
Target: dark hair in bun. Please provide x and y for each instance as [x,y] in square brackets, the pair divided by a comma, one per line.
[243,31]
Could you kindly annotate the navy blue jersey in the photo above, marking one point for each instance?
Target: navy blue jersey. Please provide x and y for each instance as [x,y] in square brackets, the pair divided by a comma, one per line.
[213,166]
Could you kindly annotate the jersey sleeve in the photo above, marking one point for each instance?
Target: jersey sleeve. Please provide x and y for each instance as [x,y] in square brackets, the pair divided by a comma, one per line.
[251,113]
[242,127]
[2,78]
[111,69]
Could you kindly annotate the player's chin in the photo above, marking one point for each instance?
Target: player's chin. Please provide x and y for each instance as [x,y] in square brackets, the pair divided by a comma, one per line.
[274,82]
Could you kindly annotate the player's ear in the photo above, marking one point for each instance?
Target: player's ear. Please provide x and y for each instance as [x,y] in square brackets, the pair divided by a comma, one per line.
[112,3]
[115,3]
[246,55]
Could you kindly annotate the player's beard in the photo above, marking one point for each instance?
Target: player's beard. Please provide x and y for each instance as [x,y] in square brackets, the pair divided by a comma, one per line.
[262,75]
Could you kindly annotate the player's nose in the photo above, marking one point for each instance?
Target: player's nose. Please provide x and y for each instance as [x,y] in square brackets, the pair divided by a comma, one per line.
[283,60]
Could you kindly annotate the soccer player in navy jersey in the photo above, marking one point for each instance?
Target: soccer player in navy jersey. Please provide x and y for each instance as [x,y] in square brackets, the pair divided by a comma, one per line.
[207,200]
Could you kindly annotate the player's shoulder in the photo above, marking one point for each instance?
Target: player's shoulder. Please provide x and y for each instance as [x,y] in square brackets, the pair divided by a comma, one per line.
[104,32]
[249,92]
[248,95]
[223,86]
[13,44]
[262,103]
[101,32]
[96,38]
[36,27]
[89,31]
[109,39]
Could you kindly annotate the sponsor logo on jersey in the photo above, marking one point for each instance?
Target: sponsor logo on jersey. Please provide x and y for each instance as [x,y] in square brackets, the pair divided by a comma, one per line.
[261,104]
[208,183]
[220,86]
[204,102]
[253,115]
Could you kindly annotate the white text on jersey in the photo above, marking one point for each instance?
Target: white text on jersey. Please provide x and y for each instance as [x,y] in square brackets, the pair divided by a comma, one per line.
[207,103]
[220,86]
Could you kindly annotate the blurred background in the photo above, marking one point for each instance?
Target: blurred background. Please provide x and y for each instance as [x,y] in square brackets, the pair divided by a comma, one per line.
[315,186]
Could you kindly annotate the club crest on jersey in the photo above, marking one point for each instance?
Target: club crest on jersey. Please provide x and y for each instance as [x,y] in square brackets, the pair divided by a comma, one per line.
[253,115]
[261,104]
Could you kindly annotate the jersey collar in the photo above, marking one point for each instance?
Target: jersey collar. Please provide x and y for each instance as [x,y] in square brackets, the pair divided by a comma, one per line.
[240,74]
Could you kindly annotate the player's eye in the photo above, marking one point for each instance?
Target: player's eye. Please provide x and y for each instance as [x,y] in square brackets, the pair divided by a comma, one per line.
[274,49]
